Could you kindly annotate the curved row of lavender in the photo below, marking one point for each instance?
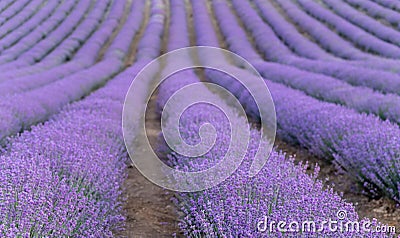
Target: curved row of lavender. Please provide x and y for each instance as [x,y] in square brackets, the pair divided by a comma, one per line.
[64,177]
[29,11]
[367,23]
[329,40]
[61,44]
[53,92]
[282,191]
[316,85]
[327,130]
[393,4]
[377,11]
[5,4]
[379,80]
[12,10]
[75,52]
[71,169]
[42,15]
[36,45]
[357,35]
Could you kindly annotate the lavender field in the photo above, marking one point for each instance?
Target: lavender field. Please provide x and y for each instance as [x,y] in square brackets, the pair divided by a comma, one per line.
[79,82]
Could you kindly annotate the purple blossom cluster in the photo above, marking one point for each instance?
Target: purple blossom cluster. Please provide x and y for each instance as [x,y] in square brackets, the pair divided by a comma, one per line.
[326,129]
[11,9]
[365,22]
[384,81]
[64,177]
[43,73]
[316,85]
[45,96]
[358,36]
[36,46]
[333,75]
[20,18]
[392,4]
[377,11]
[42,15]
[282,191]
[289,34]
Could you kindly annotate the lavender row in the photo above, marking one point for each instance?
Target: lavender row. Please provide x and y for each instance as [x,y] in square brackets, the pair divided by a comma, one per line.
[75,192]
[49,57]
[392,4]
[12,10]
[58,55]
[29,11]
[76,39]
[336,133]
[322,34]
[316,85]
[365,22]
[333,43]
[86,55]
[84,58]
[49,54]
[49,43]
[357,36]
[45,101]
[43,14]
[5,4]
[233,208]
[177,39]
[296,41]
[375,59]
[386,82]
[68,188]
[122,41]
[68,11]
[377,11]
[361,99]
[328,130]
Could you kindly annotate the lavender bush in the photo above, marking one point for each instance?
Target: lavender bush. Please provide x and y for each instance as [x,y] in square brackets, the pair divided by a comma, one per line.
[327,130]
[377,11]
[358,36]
[333,75]
[367,23]
[375,79]
[318,86]
[65,188]
[44,14]
[281,191]
[54,31]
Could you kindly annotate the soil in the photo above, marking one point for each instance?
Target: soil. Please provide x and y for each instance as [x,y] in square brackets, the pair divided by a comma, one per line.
[150,212]
[149,209]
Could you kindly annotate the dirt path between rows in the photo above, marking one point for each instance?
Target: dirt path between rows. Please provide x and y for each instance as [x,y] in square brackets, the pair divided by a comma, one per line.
[148,208]
[150,212]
